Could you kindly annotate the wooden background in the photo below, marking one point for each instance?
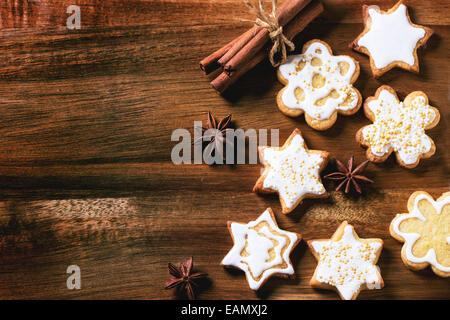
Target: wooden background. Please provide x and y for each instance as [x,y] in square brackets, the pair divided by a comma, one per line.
[85,170]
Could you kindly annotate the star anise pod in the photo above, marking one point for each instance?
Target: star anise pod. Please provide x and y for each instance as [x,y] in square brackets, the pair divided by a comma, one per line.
[348,175]
[216,138]
[183,279]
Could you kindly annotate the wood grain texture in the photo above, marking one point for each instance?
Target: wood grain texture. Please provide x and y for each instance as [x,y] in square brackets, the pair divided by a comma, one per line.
[85,170]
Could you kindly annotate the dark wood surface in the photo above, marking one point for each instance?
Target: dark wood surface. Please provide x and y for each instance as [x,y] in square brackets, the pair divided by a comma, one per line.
[85,170]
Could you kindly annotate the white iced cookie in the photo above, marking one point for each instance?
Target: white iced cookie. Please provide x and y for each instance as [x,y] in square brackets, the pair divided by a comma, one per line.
[292,171]
[398,127]
[390,39]
[425,231]
[261,249]
[346,263]
[318,84]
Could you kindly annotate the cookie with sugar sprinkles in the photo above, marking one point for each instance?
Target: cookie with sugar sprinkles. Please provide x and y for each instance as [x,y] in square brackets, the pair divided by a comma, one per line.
[292,171]
[390,39]
[261,249]
[425,231]
[346,263]
[398,127]
[318,84]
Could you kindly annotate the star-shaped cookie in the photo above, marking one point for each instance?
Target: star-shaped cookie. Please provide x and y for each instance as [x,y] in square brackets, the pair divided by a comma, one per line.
[425,231]
[318,84]
[398,127]
[346,263]
[292,171]
[261,249]
[390,39]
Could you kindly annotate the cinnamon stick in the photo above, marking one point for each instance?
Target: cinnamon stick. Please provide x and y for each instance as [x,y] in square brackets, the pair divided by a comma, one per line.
[286,12]
[303,19]
[209,64]
[298,23]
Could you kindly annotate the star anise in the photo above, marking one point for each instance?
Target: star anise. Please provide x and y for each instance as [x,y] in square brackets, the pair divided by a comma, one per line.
[215,138]
[183,279]
[348,175]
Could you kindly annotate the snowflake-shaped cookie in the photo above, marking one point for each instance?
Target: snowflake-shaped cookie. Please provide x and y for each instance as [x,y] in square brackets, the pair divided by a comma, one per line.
[398,126]
[425,231]
[261,249]
[346,263]
[292,171]
[390,39]
[319,85]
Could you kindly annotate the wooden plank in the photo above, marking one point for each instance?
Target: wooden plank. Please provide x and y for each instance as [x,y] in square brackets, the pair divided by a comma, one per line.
[122,245]
[167,176]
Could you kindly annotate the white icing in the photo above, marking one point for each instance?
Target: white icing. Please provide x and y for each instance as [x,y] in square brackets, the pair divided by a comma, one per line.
[303,79]
[348,263]
[257,263]
[391,37]
[399,127]
[294,171]
[411,238]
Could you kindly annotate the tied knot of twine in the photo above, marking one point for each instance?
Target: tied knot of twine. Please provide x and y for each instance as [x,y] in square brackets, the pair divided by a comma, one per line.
[270,22]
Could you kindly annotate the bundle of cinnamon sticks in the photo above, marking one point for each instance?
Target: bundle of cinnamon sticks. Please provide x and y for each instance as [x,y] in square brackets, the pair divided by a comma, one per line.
[251,47]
